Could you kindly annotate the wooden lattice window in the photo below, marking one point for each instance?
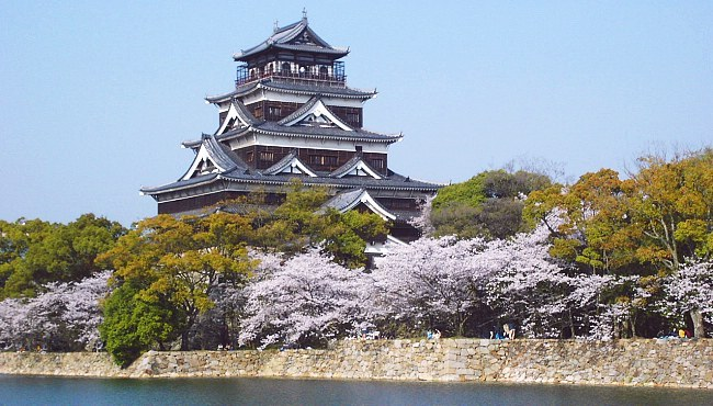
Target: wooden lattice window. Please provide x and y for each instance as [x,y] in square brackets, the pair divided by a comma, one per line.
[377,163]
[323,160]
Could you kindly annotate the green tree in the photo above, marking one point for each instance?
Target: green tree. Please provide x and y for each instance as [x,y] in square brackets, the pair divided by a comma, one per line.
[488,205]
[345,235]
[672,203]
[133,325]
[301,222]
[597,230]
[294,224]
[178,262]
[34,252]
[16,277]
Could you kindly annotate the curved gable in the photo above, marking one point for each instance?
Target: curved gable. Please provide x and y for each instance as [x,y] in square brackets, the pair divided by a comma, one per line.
[316,114]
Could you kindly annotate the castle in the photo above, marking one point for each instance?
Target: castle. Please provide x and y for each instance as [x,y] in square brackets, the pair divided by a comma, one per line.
[292,115]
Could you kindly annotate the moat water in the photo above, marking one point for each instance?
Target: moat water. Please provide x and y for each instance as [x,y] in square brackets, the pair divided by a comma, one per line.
[37,390]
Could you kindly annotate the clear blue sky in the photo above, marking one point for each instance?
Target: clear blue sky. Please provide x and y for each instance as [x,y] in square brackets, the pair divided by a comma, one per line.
[96,96]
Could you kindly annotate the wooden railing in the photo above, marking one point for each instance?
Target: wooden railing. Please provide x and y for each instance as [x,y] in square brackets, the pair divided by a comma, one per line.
[301,77]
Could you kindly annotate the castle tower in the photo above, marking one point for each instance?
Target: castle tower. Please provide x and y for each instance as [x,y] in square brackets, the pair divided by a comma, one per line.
[290,115]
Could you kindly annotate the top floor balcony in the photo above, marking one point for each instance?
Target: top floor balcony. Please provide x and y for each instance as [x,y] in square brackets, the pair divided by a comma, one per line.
[332,76]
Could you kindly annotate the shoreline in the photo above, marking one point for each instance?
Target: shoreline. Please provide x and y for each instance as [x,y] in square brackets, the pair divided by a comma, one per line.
[635,362]
[306,378]
[395,381]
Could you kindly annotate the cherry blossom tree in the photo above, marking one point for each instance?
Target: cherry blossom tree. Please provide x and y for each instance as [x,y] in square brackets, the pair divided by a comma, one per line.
[528,286]
[13,317]
[606,305]
[64,317]
[423,221]
[690,290]
[305,300]
[431,283]
[82,314]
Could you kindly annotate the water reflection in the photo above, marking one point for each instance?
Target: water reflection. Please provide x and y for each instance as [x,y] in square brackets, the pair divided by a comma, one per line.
[17,390]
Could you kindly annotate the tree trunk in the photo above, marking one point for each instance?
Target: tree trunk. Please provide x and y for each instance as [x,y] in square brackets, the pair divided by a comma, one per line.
[185,334]
[698,329]
[184,340]
[461,326]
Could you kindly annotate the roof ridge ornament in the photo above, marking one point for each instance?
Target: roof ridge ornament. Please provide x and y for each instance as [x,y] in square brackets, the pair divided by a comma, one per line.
[276,26]
[304,13]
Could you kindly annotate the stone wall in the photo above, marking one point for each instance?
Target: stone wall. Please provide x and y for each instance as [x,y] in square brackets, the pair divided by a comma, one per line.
[687,363]
[70,364]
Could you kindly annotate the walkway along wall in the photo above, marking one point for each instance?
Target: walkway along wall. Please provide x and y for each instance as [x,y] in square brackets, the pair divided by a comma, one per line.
[683,363]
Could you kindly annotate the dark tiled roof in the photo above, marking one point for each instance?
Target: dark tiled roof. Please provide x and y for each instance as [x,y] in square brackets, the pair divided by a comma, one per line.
[324,90]
[311,48]
[285,86]
[350,199]
[283,164]
[393,182]
[234,133]
[282,37]
[350,182]
[180,184]
[307,106]
[237,170]
[343,200]
[239,92]
[244,113]
[349,165]
[223,157]
[300,111]
[314,132]
[220,154]
[193,143]
[324,132]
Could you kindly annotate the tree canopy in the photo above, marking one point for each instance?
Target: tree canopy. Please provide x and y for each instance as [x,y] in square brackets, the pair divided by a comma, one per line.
[645,226]
[489,205]
[660,215]
[300,223]
[35,252]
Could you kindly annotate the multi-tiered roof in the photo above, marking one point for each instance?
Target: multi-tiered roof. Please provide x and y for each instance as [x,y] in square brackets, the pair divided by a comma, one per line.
[293,115]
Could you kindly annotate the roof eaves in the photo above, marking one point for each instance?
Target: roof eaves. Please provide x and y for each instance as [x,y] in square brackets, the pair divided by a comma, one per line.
[361,95]
[386,139]
[179,185]
[243,90]
[229,135]
[332,184]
